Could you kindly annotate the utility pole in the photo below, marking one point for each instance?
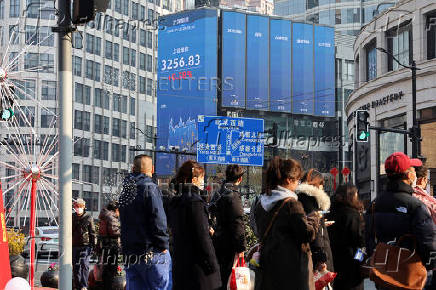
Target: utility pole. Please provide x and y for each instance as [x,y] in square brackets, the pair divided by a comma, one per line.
[415,131]
[65,89]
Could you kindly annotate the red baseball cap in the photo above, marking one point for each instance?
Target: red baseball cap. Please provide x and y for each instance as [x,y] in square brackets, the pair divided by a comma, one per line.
[399,162]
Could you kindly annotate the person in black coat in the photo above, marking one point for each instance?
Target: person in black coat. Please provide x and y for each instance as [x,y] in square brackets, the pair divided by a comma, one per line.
[226,207]
[397,212]
[346,237]
[314,198]
[195,263]
[285,257]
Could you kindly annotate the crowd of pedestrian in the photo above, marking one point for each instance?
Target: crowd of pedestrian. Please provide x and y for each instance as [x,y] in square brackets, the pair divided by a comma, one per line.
[184,237]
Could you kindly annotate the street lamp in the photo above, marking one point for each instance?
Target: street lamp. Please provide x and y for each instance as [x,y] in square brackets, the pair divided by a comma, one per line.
[415,131]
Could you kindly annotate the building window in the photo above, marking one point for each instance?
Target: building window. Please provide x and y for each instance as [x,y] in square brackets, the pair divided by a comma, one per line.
[142,38]
[149,63]
[142,85]
[431,35]
[106,99]
[133,57]
[118,6]
[106,124]
[26,116]
[82,120]
[107,75]
[126,55]
[132,132]
[14,8]
[98,99]
[149,88]
[48,90]
[116,152]
[77,66]
[124,101]
[98,124]
[126,7]
[135,10]
[132,106]
[81,147]
[142,61]
[77,40]
[399,44]
[116,123]
[123,129]
[348,70]
[92,70]
[371,61]
[108,51]
[48,117]
[149,39]
[76,171]
[91,200]
[116,100]
[116,52]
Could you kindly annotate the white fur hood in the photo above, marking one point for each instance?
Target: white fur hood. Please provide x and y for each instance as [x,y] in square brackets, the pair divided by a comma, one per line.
[320,195]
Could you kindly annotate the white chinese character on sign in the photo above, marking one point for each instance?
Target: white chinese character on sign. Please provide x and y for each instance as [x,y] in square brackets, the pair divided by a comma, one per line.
[259,148]
[247,134]
[233,123]
[186,48]
[207,146]
[240,123]
[241,148]
[253,149]
[296,123]
[321,124]
[220,147]
[212,147]
[253,135]
[200,146]
[315,124]
[247,149]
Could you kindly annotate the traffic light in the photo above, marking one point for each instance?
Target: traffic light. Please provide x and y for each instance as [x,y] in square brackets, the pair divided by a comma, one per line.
[7,106]
[362,126]
[84,10]
[273,132]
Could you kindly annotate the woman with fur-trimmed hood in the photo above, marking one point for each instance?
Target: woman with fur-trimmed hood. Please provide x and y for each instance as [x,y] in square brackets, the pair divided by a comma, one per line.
[313,198]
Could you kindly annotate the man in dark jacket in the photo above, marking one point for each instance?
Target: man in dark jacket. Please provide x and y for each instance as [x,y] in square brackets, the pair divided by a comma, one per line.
[226,208]
[397,212]
[109,242]
[144,237]
[83,243]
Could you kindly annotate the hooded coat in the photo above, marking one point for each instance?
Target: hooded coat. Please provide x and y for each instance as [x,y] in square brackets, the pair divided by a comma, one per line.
[285,261]
[195,265]
[315,199]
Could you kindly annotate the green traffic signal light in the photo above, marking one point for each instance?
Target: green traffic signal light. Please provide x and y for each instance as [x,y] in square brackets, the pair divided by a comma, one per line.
[363,135]
[7,114]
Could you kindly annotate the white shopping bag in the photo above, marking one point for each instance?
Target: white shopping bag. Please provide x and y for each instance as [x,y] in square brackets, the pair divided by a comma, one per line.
[241,278]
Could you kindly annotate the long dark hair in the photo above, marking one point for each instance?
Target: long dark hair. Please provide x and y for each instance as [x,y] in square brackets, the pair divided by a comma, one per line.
[345,194]
[313,177]
[281,169]
[187,172]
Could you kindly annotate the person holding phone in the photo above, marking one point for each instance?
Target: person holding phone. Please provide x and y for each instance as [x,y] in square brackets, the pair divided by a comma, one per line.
[347,237]
[312,196]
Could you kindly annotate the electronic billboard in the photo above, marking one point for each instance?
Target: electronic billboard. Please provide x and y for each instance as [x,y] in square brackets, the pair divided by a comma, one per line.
[187,79]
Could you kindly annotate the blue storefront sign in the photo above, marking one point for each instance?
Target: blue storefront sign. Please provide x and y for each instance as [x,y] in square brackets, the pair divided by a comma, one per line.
[226,140]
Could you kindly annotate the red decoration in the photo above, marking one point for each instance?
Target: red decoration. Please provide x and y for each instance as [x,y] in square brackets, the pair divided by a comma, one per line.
[334,171]
[345,172]
[5,273]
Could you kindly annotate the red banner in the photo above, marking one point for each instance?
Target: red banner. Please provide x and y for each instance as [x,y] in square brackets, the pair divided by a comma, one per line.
[5,273]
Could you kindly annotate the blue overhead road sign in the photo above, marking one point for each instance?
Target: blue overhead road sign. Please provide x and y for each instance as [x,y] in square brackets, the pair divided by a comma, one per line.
[226,140]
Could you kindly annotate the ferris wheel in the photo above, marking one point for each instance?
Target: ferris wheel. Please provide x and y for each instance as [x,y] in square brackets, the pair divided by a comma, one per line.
[29,154]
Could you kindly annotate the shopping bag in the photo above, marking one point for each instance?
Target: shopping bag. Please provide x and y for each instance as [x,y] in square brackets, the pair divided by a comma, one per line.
[241,278]
[323,278]
[98,272]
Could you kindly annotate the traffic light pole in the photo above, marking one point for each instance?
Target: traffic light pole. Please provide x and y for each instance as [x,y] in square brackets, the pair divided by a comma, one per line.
[65,89]
[416,136]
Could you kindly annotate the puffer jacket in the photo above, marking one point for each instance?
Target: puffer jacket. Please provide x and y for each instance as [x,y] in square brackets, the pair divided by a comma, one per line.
[109,224]
[315,199]
[83,230]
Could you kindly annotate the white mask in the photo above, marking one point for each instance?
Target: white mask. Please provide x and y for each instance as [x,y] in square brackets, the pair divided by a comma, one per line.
[201,184]
[414,182]
[79,210]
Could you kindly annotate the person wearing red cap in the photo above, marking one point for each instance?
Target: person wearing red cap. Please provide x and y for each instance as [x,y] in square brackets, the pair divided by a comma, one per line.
[397,212]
